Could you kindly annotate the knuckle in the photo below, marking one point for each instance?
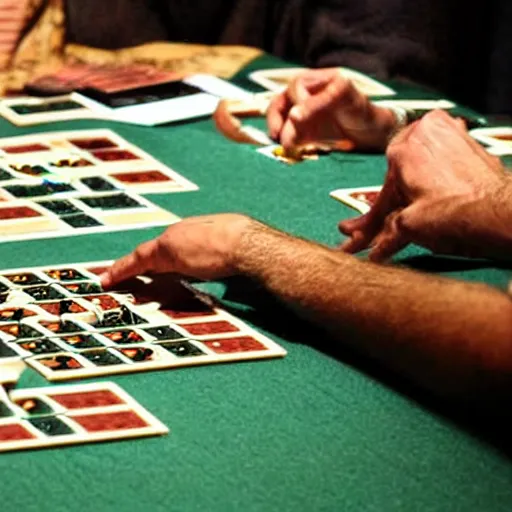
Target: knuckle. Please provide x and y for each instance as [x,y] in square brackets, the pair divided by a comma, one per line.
[390,223]
[161,247]
[342,88]
[138,254]
[404,223]
[394,152]
[436,119]
[434,115]
[422,126]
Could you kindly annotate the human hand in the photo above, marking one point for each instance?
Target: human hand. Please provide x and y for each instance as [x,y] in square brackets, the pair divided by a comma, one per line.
[443,191]
[322,106]
[200,247]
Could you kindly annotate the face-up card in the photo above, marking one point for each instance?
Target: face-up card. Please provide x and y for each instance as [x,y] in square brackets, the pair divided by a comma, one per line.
[361,199]
[84,181]
[192,97]
[61,322]
[279,79]
[27,110]
[498,140]
[77,414]
[148,105]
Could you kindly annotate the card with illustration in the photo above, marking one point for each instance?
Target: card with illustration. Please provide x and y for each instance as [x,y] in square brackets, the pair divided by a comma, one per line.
[73,414]
[86,181]
[361,199]
[61,322]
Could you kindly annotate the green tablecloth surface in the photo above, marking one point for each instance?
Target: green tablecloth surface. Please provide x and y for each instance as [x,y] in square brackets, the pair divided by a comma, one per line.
[310,432]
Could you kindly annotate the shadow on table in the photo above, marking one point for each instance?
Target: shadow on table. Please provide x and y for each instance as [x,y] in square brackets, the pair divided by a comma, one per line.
[267,313]
[443,264]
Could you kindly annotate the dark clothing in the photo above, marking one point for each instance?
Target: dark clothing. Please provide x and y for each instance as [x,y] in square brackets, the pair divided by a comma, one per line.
[452,46]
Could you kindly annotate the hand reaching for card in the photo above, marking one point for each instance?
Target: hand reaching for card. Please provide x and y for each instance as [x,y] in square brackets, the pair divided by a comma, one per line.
[322,106]
[443,191]
[200,247]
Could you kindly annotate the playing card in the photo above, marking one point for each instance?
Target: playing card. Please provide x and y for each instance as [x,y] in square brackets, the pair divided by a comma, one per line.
[276,152]
[361,199]
[147,105]
[194,96]
[279,79]
[498,140]
[105,78]
[416,104]
[83,181]
[27,110]
[74,414]
[61,322]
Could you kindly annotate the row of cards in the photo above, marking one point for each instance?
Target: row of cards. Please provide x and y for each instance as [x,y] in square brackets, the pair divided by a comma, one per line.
[85,181]
[64,415]
[150,105]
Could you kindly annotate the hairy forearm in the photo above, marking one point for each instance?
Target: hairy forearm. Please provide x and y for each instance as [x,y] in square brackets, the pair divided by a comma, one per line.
[484,224]
[452,338]
[500,232]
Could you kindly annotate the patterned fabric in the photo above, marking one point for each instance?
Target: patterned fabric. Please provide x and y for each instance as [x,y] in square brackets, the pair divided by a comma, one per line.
[12,22]
[33,44]
[39,44]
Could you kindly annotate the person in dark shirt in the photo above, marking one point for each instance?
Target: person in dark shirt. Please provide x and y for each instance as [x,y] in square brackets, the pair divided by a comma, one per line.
[454,47]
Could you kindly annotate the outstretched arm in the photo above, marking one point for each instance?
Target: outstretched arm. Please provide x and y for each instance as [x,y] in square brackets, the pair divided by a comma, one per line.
[452,338]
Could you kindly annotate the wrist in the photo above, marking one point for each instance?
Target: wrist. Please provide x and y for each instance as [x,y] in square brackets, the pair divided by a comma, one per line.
[484,221]
[390,122]
[500,204]
[247,233]
[262,251]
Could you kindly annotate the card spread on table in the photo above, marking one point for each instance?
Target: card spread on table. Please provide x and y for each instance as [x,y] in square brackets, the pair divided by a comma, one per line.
[70,183]
[65,326]
[361,199]
[146,104]
[73,414]
[498,140]
[279,79]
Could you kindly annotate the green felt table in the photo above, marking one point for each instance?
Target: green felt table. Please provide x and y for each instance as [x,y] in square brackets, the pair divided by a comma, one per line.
[313,431]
